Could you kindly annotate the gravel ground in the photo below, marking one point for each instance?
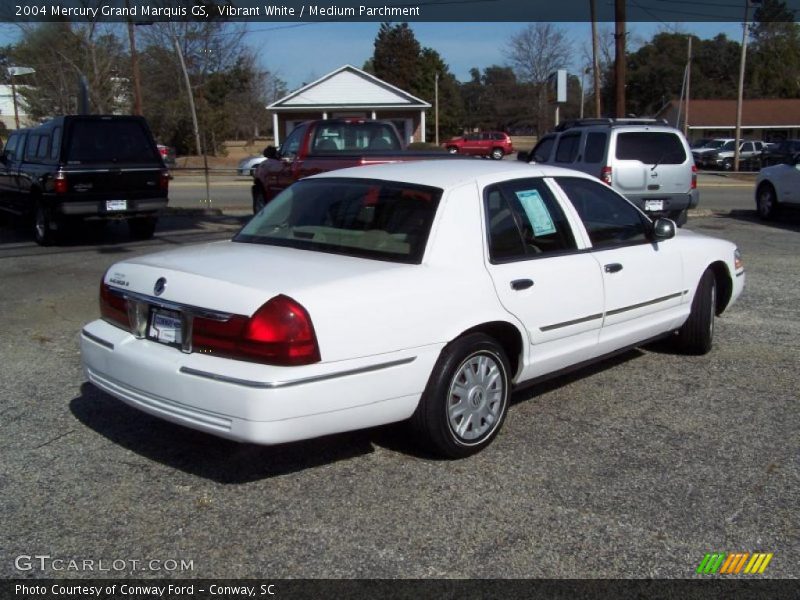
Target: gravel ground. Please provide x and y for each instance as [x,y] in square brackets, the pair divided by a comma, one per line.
[633,468]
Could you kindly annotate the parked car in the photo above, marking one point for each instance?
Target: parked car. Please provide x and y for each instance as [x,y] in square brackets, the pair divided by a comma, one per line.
[699,143]
[325,145]
[644,159]
[247,166]
[423,291]
[495,144]
[708,148]
[723,157]
[82,167]
[778,187]
[781,152]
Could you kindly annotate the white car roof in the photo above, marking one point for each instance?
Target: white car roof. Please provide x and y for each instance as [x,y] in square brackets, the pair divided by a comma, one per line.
[449,173]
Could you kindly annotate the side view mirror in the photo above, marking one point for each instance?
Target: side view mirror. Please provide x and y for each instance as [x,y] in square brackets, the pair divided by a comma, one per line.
[270,152]
[663,229]
[524,156]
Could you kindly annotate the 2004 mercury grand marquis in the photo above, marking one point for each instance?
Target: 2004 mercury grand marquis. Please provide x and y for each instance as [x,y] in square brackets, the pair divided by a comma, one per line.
[420,291]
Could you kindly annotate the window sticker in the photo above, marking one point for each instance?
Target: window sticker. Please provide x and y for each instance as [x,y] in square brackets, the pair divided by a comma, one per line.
[538,215]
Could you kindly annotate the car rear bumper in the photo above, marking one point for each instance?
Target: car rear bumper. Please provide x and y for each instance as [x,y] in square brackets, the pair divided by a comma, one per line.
[249,402]
[99,208]
[670,203]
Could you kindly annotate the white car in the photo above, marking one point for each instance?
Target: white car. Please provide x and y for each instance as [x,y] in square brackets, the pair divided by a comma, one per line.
[422,291]
[778,186]
[248,165]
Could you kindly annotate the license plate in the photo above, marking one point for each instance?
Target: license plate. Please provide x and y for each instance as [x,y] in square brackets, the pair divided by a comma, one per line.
[112,205]
[165,327]
[654,205]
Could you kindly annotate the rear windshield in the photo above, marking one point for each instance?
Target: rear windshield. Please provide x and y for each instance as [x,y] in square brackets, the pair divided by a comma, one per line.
[368,218]
[354,137]
[115,141]
[651,147]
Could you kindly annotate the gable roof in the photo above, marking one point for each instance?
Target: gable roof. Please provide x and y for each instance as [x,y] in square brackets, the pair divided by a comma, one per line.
[348,87]
[772,112]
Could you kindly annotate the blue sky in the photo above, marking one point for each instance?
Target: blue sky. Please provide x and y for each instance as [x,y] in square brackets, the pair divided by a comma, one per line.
[301,53]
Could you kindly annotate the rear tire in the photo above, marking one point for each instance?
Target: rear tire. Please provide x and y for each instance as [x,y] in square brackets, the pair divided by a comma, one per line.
[466,399]
[142,228]
[497,153]
[43,224]
[696,336]
[452,150]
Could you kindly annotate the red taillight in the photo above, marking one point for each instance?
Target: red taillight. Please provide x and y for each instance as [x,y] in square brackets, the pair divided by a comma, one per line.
[163,180]
[164,151]
[60,183]
[694,177]
[605,175]
[113,307]
[279,333]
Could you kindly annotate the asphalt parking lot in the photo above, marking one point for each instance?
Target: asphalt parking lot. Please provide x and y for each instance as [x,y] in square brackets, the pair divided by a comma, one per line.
[634,468]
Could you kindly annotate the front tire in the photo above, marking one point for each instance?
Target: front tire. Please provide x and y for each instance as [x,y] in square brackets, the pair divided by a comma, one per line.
[452,150]
[259,200]
[696,336]
[766,202]
[466,399]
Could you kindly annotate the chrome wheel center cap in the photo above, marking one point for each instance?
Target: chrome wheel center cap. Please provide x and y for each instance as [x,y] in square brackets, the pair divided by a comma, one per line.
[477,396]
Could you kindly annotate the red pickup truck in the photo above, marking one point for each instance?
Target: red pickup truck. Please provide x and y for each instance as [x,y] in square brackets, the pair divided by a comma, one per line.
[328,144]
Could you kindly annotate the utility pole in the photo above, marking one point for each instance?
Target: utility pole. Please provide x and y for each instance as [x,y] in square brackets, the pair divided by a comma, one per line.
[742,60]
[436,103]
[619,57]
[137,85]
[194,117]
[595,62]
[688,88]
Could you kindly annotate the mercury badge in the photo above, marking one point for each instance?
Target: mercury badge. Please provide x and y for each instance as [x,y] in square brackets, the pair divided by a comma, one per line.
[160,285]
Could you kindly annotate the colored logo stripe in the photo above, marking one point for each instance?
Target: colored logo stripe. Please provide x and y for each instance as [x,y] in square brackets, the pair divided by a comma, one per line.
[732,564]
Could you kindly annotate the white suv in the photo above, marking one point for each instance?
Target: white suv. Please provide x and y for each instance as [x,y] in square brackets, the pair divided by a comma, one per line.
[646,160]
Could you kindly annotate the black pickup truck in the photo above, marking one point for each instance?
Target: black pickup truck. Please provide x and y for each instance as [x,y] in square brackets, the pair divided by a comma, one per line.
[80,167]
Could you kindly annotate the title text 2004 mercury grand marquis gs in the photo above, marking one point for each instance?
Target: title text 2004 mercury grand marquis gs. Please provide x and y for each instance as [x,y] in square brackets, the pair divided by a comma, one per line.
[420,291]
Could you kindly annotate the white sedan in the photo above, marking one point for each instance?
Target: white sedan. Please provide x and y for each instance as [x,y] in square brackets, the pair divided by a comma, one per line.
[778,186]
[423,291]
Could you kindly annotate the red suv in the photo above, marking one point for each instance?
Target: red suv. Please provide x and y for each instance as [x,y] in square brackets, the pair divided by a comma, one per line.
[488,143]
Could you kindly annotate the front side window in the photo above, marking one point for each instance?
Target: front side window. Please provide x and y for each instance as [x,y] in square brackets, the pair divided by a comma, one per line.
[651,147]
[354,137]
[368,218]
[291,145]
[11,147]
[541,153]
[609,219]
[524,220]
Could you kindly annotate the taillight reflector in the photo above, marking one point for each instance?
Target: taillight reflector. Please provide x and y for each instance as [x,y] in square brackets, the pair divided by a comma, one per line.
[163,180]
[694,177]
[60,183]
[279,333]
[605,175]
[113,307]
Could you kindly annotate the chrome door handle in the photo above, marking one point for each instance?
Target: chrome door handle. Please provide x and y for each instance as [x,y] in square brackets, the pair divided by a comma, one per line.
[521,284]
[613,268]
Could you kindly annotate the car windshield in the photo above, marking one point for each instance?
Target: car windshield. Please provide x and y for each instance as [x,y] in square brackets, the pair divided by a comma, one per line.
[368,218]
[715,143]
[728,146]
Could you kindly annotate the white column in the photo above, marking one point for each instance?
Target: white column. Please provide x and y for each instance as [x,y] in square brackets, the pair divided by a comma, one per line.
[422,125]
[373,115]
[276,134]
[324,115]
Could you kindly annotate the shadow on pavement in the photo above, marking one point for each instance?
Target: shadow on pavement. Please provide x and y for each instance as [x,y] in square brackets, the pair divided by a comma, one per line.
[786,219]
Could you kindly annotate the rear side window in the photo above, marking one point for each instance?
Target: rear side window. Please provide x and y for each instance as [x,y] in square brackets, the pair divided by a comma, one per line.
[525,221]
[355,137]
[595,147]
[567,149]
[32,146]
[651,147]
[56,145]
[44,147]
[110,141]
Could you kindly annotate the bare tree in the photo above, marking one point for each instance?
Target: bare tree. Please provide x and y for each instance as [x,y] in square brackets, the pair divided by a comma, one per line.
[534,53]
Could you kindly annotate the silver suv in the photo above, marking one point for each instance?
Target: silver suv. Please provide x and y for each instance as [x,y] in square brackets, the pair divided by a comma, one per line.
[646,160]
